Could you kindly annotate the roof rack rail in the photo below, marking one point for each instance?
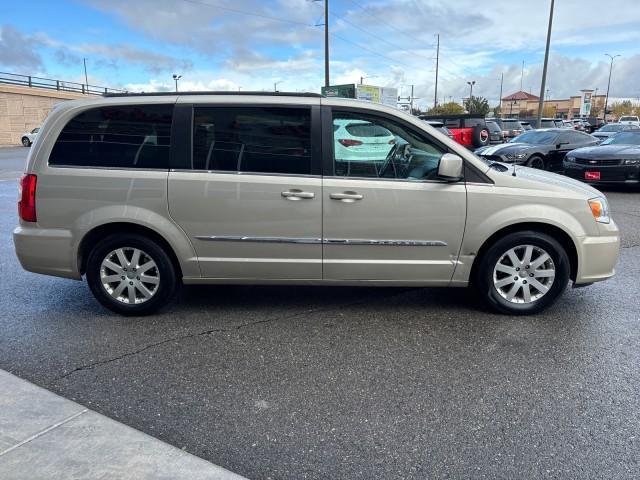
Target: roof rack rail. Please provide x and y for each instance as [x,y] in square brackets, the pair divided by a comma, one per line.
[271,94]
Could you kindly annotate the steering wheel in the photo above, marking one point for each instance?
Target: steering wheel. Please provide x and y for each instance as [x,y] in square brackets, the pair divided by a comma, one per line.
[393,154]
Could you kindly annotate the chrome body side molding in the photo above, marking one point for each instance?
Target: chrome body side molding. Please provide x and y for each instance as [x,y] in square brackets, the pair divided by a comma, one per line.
[326,241]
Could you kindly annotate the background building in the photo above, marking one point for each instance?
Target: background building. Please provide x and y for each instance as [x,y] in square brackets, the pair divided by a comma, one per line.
[523,104]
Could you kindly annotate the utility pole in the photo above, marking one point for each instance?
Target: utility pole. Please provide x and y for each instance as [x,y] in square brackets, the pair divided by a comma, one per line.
[86,79]
[500,99]
[326,43]
[411,101]
[544,68]
[606,98]
[521,75]
[435,95]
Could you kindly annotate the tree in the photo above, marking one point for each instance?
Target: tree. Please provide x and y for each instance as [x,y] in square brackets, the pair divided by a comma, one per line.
[624,107]
[449,108]
[477,106]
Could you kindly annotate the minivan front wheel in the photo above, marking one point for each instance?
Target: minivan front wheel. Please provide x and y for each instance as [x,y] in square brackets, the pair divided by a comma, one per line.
[523,273]
[130,274]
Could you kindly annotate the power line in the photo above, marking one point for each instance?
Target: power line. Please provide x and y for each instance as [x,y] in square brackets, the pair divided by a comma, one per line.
[398,47]
[252,14]
[393,61]
[364,9]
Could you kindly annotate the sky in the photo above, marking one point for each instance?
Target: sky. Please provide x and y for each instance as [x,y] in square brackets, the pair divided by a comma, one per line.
[251,45]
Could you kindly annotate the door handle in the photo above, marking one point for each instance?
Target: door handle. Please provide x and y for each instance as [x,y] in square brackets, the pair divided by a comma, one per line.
[346,197]
[295,194]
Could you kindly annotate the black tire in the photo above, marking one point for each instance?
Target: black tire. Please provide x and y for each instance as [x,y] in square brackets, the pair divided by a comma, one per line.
[26,142]
[538,162]
[484,273]
[166,272]
[481,136]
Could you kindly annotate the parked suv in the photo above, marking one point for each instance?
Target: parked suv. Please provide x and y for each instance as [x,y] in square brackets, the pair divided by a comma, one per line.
[142,193]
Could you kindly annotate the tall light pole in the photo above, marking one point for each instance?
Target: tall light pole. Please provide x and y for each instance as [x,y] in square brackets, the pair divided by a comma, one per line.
[86,79]
[606,98]
[176,77]
[364,78]
[471,84]
[544,68]
[275,85]
[500,99]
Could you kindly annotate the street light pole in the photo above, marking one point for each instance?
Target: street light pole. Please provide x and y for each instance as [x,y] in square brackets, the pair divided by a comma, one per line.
[435,95]
[176,78]
[86,79]
[544,68]
[275,85]
[471,84]
[606,98]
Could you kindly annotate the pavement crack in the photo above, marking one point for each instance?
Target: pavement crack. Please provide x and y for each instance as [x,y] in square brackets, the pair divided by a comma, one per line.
[99,363]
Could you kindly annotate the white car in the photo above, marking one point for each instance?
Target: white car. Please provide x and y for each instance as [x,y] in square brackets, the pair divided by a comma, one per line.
[630,120]
[361,141]
[29,137]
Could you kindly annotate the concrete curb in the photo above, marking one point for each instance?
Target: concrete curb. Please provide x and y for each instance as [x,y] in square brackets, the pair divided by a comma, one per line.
[44,436]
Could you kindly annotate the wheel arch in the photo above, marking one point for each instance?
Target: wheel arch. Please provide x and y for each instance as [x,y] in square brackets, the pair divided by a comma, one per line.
[93,236]
[553,231]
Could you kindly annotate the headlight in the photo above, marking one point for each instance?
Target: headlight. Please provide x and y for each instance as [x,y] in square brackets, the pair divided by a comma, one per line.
[516,156]
[570,159]
[600,209]
[635,161]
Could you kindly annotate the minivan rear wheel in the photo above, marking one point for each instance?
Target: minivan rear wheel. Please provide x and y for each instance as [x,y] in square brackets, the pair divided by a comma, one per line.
[130,274]
[523,273]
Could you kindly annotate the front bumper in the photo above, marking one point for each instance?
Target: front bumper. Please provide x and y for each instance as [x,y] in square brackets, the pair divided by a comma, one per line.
[47,251]
[608,173]
[598,255]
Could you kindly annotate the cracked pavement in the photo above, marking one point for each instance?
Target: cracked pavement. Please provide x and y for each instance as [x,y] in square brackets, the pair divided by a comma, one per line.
[353,383]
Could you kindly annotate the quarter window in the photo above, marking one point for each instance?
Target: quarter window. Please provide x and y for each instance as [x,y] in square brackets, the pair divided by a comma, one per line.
[132,136]
[371,146]
[252,139]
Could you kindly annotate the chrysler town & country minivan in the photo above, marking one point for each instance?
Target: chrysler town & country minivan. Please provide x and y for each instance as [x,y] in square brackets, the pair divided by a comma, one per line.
[142,193]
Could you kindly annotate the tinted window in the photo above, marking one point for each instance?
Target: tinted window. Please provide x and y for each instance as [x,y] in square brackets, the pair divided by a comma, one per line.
[623,138]
[493,127]
[367,130]
[252,139]
[536,137]
[510,125]
[576,137]
[135,136]
[404,153]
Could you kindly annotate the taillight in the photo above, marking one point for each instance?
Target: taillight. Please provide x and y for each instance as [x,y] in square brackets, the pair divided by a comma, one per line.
[348,142]
[27,195]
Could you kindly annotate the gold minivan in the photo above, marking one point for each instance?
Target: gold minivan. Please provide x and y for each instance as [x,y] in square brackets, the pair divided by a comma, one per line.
[141,193]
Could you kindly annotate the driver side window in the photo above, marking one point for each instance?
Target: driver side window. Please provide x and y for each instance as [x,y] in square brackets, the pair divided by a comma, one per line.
[372,146]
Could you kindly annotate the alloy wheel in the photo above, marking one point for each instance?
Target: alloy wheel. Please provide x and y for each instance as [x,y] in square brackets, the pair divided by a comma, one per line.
[129,275]
[524,274]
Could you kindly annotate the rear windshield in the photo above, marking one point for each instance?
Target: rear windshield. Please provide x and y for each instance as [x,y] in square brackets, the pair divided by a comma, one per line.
[623,138]
[367,130]
[510,125]
[628,119]
[612,128]
[132,136]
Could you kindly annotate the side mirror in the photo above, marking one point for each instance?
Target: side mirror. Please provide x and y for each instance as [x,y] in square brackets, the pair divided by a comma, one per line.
[561,144]
[450,168]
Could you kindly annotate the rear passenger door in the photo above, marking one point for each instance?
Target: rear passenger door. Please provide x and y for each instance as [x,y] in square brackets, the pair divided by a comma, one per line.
[246,189]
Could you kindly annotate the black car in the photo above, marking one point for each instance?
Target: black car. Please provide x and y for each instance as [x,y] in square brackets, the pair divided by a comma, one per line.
[495,132]
[616,160]
[544,149]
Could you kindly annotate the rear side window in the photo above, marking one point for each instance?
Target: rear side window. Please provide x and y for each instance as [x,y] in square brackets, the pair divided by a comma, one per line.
[368,130]
[132,136]
[252,139]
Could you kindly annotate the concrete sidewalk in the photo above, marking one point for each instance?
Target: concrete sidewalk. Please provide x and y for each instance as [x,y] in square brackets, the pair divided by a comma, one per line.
[44,436]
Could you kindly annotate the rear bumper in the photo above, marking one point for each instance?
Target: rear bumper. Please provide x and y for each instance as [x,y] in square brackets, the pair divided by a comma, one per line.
[46,251]
[597,256]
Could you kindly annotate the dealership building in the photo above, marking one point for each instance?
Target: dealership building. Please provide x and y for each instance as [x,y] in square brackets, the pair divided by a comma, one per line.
[523,104]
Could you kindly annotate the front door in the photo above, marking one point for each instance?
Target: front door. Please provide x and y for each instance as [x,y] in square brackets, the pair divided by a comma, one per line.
[387,217]
[251,201]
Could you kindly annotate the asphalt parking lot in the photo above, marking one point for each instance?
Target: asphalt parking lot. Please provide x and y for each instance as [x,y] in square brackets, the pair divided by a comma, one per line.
[353,383]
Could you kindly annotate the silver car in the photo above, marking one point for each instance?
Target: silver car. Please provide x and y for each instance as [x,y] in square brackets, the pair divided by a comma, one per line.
[28,138]
[142,193]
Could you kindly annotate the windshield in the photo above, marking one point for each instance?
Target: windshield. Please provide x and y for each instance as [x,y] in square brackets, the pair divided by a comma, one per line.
[624,138]
[628,119]
[535,137]
[611,128]
[510,125]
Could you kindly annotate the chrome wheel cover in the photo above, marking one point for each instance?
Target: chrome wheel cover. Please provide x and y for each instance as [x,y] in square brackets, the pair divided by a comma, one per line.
[524,274]
[129,275]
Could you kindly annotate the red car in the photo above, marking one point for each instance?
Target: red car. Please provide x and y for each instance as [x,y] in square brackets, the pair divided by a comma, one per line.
[468,130]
